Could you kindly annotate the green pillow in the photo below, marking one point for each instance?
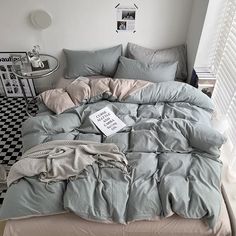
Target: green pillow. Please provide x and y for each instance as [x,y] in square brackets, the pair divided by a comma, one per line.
[158,72]
[89,63]
[147,55]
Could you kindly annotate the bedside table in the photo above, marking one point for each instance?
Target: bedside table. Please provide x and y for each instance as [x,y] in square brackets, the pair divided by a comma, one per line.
[23,69]
[206,80]
[206,85]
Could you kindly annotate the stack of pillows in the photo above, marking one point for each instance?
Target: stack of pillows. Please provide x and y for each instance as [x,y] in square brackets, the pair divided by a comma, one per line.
[141,63]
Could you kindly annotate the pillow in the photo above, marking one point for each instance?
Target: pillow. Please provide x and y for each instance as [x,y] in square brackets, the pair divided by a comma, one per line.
[57,100]
[173,54]
[87,63]
[133,69]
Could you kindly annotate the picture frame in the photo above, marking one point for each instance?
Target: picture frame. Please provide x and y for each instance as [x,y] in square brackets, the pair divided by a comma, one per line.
[10,82]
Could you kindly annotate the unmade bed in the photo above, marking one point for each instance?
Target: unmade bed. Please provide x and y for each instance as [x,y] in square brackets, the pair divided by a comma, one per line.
[164,163]
[159,175]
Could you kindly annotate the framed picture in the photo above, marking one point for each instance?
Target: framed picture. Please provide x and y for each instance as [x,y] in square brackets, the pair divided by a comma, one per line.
[10,82]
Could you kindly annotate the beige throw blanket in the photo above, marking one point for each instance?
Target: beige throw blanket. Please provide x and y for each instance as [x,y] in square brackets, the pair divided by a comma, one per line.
[60,160]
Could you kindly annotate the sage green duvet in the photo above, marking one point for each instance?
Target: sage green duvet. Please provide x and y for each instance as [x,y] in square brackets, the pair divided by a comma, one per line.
[170,147]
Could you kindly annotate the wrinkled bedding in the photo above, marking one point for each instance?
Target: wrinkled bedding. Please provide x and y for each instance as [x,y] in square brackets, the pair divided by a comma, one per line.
[88,89]
[171,149]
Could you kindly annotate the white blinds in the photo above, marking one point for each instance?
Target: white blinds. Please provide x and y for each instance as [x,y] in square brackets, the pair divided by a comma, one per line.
[224,66]
[224,30]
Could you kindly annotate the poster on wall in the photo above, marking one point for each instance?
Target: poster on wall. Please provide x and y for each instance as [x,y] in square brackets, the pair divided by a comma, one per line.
[9,80]
[126,17]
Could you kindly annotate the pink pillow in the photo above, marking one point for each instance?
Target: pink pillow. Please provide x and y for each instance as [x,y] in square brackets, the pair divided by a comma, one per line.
[57,100]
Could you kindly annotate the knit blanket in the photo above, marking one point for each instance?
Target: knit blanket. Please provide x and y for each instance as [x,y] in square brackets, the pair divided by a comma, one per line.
[61,160]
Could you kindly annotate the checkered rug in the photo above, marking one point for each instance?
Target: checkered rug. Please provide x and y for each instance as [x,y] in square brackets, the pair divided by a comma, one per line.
[12,114]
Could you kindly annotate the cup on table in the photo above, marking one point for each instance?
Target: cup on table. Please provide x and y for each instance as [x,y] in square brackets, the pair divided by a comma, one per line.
[36,62]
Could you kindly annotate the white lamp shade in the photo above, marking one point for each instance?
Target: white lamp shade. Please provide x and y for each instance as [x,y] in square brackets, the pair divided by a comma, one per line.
[40,19]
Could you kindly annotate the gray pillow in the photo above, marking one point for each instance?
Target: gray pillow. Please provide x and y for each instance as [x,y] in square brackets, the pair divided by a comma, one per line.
[89,63]
[146,55]
[158,72]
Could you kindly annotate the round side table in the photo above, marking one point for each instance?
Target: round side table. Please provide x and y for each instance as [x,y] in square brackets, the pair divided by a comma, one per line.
[23,69]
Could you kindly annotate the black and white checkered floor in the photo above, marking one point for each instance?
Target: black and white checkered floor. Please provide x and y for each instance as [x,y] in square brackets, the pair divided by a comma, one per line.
[12,114]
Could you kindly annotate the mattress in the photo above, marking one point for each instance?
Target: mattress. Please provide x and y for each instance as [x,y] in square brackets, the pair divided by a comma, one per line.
[71,225]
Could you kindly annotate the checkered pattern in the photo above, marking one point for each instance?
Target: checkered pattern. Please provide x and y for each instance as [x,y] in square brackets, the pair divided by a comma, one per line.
[12,114]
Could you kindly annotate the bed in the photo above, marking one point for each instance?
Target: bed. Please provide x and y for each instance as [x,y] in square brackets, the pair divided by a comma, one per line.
[70,224]
[159,175]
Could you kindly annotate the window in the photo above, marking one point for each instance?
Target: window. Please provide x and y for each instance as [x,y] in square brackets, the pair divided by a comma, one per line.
[224,67]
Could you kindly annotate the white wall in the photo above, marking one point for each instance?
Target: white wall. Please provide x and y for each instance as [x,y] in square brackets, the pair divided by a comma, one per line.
[195,30]
[209,33]
[90,24]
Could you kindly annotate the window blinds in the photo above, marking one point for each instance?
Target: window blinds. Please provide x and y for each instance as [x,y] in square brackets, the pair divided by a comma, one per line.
[224,67]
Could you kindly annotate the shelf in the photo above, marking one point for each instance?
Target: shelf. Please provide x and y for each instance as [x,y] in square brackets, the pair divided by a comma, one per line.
[206,78]
[210,85]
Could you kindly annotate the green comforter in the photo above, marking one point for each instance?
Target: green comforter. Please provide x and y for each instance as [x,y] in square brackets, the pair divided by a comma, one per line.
[171,149]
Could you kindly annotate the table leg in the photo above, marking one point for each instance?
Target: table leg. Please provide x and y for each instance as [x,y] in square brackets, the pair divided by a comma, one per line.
[23,91]
[25,97]
[31,92]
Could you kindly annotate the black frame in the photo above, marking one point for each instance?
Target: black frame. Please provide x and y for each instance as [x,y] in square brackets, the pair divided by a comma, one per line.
[11,77]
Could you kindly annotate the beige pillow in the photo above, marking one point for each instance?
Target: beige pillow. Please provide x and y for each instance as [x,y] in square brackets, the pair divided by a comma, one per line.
[57,100]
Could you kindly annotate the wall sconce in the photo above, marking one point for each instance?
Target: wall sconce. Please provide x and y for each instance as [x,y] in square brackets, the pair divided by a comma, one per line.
[40,19]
